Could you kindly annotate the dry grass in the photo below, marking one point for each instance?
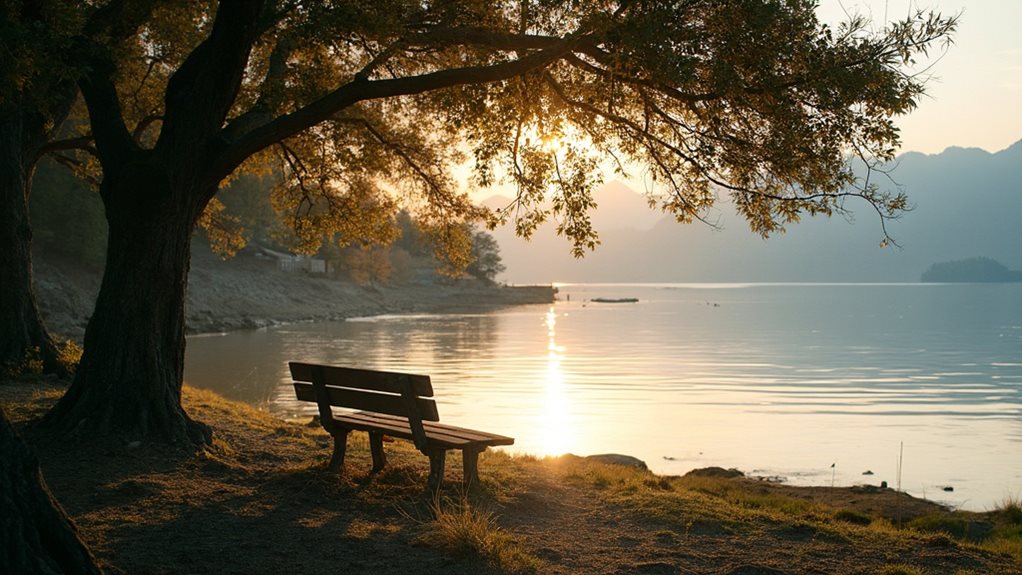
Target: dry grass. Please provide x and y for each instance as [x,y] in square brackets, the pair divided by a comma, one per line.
[262,493]
[462,529]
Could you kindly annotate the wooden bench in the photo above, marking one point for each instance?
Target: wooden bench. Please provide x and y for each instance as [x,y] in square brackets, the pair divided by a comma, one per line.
[391,404]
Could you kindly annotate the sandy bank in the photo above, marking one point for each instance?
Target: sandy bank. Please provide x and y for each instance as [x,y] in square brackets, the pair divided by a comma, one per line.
[246,292]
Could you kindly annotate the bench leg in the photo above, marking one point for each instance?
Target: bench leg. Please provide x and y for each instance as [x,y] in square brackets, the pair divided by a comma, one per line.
[437,460]
[376,447]
[470,462]
[340,446]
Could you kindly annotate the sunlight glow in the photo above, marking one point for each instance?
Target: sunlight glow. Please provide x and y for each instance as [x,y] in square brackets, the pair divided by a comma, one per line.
[555,423]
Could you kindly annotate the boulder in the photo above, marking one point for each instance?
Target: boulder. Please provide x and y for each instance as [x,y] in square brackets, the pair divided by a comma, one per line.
[715,472]
[619,459]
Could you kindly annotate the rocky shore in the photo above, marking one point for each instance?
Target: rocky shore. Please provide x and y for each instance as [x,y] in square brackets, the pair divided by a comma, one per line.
[247,292]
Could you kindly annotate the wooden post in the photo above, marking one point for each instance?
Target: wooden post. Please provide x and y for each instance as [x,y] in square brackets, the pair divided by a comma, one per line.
[340,446]
[437,460]
[470,466]
[410,401]
[376,447]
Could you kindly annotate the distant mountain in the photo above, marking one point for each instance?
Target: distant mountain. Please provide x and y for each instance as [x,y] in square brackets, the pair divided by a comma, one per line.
[966,201]
[971,270]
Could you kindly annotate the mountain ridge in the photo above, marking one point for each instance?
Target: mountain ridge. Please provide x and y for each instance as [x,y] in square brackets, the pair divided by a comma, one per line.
[966,201]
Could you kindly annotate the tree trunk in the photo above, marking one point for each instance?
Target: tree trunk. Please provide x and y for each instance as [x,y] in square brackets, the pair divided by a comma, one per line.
[21,327]
[128,383]
[36,535]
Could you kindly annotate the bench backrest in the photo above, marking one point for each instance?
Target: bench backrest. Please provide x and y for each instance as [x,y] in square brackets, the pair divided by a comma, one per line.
[400,394]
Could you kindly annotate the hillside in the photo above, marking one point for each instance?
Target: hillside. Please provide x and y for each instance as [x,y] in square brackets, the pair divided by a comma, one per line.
[971,270]
[247,292]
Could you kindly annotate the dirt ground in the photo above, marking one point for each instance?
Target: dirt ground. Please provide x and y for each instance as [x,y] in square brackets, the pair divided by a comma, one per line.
[260,500]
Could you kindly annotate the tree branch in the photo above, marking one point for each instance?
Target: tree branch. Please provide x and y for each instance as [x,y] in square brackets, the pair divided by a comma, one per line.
[200,93]
[108,26]
[83,143]
[360,90]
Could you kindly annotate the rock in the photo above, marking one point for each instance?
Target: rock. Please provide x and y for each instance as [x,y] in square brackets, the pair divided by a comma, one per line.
[867,472]
[715,472]
[618,459]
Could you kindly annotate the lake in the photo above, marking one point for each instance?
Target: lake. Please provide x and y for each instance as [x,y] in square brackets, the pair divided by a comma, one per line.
[815,383]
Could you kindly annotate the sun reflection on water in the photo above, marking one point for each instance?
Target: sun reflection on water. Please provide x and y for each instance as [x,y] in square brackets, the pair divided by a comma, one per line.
[555,424]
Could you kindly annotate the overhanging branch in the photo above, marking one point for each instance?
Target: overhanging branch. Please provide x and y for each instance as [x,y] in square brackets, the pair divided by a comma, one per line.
[361,90]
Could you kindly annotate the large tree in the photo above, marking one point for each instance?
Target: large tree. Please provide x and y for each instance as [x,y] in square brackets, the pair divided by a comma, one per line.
[363,102]
[41,114]
[37,91]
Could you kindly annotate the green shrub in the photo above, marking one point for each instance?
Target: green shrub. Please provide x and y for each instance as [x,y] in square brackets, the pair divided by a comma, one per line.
[853,516]
[30,365]
[941,523]
[69,353]
[1011,509]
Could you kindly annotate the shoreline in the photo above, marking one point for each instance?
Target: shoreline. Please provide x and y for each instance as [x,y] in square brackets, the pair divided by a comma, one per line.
[244,293]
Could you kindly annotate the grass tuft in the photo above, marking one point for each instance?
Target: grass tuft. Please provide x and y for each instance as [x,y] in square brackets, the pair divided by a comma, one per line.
[1011,510]
[465,531]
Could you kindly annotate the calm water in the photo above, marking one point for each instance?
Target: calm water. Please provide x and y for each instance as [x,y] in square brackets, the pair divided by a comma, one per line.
[776,380]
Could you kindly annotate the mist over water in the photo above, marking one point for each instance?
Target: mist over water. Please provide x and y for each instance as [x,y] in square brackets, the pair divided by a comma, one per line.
[777,380]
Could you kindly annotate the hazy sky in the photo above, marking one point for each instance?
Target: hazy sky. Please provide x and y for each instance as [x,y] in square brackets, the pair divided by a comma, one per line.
[975,97]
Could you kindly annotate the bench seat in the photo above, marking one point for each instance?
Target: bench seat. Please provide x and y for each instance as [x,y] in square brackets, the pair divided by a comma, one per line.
[439,434]
[391,404]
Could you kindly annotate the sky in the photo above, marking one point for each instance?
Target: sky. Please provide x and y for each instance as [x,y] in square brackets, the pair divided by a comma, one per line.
[975,97]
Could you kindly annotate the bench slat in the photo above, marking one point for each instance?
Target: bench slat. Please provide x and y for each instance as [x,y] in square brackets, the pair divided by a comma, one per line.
[454,431]
[444,436]
[368,401]
[384,381]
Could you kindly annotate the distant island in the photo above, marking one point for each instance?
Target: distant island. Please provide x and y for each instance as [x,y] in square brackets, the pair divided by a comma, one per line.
[971,270]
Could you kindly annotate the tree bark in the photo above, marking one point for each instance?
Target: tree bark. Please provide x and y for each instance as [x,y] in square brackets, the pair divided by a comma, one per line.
[128,383]
[36,535]
[21,326]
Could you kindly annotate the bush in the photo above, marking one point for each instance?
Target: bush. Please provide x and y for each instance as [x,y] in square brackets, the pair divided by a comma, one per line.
[31,364]
[853,516]
[949,524]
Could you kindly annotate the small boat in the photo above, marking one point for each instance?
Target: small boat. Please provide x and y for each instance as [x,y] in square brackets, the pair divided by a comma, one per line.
[615,300]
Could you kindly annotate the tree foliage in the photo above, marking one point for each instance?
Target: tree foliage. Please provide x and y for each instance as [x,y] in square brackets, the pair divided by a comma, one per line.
[360,103]
[367,105]
[486,263]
